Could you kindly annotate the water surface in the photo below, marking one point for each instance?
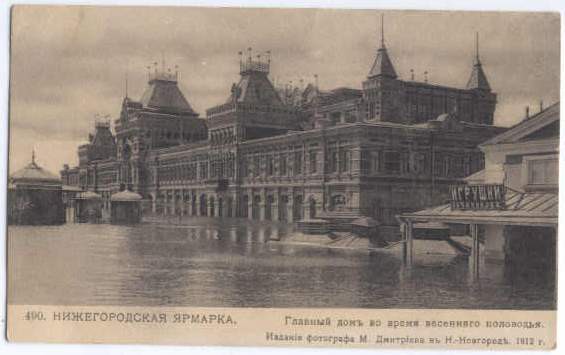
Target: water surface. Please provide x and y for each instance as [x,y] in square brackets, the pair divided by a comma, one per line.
[231,263]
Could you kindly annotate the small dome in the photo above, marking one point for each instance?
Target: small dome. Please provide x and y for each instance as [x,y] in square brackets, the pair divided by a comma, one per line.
[125,196]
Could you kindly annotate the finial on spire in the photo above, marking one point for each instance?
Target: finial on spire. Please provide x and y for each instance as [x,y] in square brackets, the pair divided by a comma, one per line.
[126,88]
[478,79]
[316,98]
[477,47]
[316,81]
[382,30]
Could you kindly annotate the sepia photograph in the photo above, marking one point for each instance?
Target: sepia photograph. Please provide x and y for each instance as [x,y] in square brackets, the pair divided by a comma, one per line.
[254,158]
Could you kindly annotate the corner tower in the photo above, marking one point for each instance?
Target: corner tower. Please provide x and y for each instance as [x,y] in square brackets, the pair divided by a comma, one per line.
[484,100]
[162,118]
[380,90]
[253,109]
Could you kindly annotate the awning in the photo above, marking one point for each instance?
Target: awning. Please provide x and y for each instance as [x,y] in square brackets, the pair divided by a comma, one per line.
[527,209]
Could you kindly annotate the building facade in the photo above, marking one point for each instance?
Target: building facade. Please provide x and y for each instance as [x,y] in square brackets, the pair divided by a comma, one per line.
[392,146]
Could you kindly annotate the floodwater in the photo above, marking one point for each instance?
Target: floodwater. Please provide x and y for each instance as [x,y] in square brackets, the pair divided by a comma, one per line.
[232,263]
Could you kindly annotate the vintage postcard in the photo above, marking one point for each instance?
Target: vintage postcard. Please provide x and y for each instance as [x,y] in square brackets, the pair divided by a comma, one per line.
[283,177]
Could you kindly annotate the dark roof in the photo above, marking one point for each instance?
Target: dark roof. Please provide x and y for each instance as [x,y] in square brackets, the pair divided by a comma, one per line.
[478,79]
[103,136]
[527,126]
[255,88]
[166,95]
[382,66]
[34,173]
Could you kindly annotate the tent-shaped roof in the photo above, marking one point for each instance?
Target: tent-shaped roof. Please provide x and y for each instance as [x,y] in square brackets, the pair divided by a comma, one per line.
[166,95]
[382,66]
[34,173]
[478,78]
[255,88]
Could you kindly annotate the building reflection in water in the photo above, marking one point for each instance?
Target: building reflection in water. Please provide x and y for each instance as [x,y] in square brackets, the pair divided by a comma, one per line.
[234,263]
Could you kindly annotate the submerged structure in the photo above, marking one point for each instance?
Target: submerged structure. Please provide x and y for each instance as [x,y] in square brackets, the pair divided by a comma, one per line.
[35,196]
[510,207]
[335,156]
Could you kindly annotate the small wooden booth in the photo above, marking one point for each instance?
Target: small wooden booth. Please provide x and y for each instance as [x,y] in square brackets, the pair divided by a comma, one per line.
[88,206]
[125,207]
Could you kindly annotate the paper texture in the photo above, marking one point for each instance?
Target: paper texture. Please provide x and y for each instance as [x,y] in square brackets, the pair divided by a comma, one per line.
[283,177]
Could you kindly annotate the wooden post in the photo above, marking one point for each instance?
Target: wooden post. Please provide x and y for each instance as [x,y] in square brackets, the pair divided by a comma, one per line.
[475,251]
[404,241]
[407,245]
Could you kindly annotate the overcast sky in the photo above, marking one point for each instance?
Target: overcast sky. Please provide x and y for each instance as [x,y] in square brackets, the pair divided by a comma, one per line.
[69,63]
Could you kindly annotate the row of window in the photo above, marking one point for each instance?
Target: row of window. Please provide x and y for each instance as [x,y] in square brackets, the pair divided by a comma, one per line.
[202,170]
[338,160]
[398,162]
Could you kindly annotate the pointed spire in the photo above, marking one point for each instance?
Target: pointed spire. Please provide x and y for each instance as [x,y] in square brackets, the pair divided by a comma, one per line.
[477,60]
[33,156]
[126,88]
[382,66]
[478,79]
[382,30]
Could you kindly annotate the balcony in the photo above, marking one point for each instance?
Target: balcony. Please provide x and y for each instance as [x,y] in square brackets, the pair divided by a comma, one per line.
[478,197]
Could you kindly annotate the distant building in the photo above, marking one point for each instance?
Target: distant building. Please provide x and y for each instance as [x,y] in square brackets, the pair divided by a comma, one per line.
[392,147]
[512,205]
[35,197]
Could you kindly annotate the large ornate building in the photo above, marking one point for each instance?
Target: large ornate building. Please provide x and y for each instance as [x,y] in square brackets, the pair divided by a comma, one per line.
[391,147]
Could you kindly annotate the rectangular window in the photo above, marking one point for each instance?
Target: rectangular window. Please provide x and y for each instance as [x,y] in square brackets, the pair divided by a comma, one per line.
[282,164]
[375,163]
[270,166]
[313,162]
[392,162]
[203,170]
[332,163]
[446,168]
[256,166]
[343,160]
[543,171]
[365,162]
[297,163]
[244,170]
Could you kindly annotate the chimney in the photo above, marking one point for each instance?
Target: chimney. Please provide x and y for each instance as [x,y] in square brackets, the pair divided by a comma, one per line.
[540,105]
[527,112]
